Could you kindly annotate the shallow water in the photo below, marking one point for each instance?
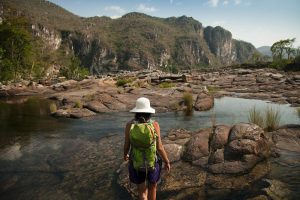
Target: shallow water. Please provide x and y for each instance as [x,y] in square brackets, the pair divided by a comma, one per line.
[42,157]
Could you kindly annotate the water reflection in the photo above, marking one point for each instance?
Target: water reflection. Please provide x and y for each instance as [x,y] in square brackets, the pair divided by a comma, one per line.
[47,158]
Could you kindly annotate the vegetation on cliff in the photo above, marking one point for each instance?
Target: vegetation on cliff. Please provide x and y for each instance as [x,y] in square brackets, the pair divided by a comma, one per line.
[134,41]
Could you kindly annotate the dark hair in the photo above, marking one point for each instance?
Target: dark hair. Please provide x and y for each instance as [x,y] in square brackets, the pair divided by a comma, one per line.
[142,117]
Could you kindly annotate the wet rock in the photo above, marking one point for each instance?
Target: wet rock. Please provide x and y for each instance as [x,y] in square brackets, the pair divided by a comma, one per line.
[234,167]
[80,113]
[287,138]
[277,190]
[204,102]
[222,181]
[73,113]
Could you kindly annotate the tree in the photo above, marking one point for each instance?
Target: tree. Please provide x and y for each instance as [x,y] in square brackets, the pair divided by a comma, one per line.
[16,43]
[283,47]
[74,70]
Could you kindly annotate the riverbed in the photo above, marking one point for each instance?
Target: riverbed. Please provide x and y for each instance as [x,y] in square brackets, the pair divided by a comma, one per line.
[42,157]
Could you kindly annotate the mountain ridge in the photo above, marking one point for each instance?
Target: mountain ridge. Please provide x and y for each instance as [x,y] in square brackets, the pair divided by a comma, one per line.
[134,41]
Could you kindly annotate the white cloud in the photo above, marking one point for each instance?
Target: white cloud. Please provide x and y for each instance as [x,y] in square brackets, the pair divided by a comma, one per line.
[146,9]
[171,1]
[116,9]
[213,3]
[237,2]
[225,2]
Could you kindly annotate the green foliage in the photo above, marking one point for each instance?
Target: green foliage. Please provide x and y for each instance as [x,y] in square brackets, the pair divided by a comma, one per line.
[166,85]
[16,49]
[188,102]
[123,81]
[212,89]
[255,117]
[74,70]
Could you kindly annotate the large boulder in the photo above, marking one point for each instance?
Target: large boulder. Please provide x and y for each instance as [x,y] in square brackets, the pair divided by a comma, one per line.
[174,152]
[203,102]
[198,145]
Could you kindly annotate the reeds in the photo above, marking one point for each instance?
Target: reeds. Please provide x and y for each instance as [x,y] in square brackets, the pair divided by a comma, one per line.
[272,119]
[298,111]
[269,121]
[189,103]
[255,117]
[53,108]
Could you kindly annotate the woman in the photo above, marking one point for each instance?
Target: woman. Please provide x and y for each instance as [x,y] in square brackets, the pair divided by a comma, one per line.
[143,113]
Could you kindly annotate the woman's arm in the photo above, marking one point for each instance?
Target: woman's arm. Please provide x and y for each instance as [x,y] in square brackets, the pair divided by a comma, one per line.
[127,141]
[161,149]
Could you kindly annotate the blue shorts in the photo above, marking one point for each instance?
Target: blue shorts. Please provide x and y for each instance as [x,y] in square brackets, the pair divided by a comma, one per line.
[139,177]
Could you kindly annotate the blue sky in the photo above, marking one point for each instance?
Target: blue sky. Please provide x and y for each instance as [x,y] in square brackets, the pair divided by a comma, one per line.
[261,22]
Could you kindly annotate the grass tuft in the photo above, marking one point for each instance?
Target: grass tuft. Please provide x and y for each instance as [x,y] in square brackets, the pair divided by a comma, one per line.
[53,108]
[188,102]
[78,104]
[272,119]
[298,111]
[166,85]
[255,117]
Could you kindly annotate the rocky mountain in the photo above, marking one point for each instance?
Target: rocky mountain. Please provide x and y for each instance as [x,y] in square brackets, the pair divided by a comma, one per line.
[265,50]
[131,42]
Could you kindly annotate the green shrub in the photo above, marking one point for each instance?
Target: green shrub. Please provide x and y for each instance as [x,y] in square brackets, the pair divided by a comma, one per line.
[188,102]
[166,85]
[123,81]
[212,89]
[255,117]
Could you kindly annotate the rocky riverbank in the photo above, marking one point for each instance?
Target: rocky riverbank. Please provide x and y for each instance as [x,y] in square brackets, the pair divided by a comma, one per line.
[224,162]
[85,98]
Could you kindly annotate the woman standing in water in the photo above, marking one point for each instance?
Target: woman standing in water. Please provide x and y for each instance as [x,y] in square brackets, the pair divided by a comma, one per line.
[144,150]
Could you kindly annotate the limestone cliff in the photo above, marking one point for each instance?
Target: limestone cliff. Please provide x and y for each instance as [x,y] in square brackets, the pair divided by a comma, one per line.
[131,42]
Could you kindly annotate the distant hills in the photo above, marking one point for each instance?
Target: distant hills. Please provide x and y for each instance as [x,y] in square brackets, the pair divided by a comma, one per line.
[134,41]
[265,50]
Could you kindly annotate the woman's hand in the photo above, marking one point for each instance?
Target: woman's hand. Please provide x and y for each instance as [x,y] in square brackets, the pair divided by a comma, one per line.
[167,166]
[126,157]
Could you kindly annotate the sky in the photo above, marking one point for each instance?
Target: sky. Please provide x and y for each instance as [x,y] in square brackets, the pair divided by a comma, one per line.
[260,22]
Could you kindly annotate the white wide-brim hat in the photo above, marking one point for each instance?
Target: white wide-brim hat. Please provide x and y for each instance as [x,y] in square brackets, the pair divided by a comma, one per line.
[142,105]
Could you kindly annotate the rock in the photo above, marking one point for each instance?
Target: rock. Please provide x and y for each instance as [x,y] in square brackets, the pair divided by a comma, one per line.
[73,113]
[277,190]
[204,102]
[217,157]
[96,106]
[220,136]
[61,113]
[287,138]
[259,197]
[236,182]
[174,152]
[175,134]
[233,167]
[81,112]
[246,131]
[198,146]
[243,146]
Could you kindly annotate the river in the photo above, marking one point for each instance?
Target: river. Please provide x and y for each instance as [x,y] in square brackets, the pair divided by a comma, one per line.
[42,157]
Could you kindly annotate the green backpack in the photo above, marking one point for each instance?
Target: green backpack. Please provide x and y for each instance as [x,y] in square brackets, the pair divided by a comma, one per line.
[143,146]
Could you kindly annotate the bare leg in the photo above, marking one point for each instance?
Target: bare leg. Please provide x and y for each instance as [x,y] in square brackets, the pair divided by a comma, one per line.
[152,191]
[142,189]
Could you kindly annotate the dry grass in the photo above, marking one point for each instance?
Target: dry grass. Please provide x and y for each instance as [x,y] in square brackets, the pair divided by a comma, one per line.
[189,103]
[272,119]
[255,117]
[53,108]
